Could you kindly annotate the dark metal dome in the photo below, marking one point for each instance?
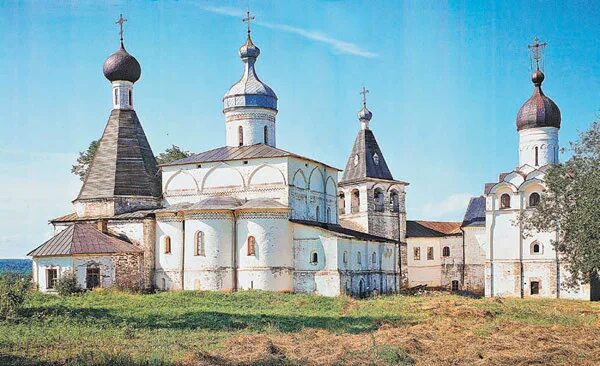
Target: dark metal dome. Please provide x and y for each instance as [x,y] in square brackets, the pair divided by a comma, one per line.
[122,66]
[538,110]
[365,114]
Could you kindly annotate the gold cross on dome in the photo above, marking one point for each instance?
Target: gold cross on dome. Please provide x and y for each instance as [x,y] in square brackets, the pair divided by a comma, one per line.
[536,50]
[248,19]
[120,22]
[364,92]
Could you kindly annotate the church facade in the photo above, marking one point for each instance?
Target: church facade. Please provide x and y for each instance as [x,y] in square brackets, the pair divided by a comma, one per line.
[250,215]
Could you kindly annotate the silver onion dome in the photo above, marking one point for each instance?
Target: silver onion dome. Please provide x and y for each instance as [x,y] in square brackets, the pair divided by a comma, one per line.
[122,66]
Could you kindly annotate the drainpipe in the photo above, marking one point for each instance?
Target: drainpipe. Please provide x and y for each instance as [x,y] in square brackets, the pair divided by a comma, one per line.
[558,268]
[183,253]
[234,252]
[464,258]
[522,275]
[491,244]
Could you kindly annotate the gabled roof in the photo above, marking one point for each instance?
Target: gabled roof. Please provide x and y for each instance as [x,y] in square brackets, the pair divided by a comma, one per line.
[135,215]
[83,238]
[342,231]
[432,229]
[475,215]
[227,153]
[124,164]
[362,162]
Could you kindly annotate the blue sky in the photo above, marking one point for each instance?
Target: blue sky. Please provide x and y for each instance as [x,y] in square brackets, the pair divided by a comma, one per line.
[446,80]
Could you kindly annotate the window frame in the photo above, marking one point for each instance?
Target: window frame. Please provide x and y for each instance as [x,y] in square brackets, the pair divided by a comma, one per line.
[167,245]
[251,246]
[51,283]
[199,244]
[240,136]
[536,287]
[88,276]
[532,201]
[314,257]
[417,253]
[430,255]
[505,204]
[446,251]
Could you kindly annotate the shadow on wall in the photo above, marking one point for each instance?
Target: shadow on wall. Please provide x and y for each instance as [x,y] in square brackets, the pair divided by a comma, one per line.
[218,321]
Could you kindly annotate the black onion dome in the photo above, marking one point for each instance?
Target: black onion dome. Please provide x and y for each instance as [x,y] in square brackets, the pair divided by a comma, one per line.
[122,66]
[539,110]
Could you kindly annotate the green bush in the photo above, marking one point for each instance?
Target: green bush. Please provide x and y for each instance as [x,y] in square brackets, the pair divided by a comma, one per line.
[67,284]
[13,292]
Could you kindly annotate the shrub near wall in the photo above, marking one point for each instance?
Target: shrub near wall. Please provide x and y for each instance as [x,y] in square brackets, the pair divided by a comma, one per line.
[13,292]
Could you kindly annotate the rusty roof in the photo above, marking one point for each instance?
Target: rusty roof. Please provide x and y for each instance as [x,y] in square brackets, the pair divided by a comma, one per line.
[428,229]
[227,153]
[83,238]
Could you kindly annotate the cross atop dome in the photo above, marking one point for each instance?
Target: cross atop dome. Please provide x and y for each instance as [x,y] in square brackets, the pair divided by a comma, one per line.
[248,19]
[536,50]
[364,92]
[121,22]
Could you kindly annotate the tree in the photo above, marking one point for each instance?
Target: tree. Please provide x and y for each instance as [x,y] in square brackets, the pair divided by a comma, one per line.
[571,206]
[84,160]
[171,154]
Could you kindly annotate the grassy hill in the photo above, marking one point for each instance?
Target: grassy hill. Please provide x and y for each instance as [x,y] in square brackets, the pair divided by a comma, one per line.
[261,328]
[18,266]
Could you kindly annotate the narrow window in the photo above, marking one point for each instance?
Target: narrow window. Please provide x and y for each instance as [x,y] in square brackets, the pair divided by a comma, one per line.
[240,136]
[318,213]
[359,259]
[417,253]
[454,285]
[92,277]
[116,97]
[342,203]
[314,258]
[355,201]
[374,258]
[376,159]
[164,284]
[536,248]
[251,245]
[394,201]
[429,253]
[266,135]
[199,244]
[345,257]
[167,245]
[536,156]
[534,199]
[505,201]
[446,251]
[379,200]
[51,278]
[130,99]
[535,287]
[328,214]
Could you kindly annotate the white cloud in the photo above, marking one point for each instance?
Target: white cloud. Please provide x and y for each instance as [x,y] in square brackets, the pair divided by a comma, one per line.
[452,207]
[339,46]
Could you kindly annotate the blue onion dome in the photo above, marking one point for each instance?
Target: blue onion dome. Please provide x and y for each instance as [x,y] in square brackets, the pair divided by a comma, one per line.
[538,110]
[365,114]
[122,66]
[249,91]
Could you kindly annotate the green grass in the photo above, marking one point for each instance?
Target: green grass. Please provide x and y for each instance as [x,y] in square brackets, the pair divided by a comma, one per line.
[112,328]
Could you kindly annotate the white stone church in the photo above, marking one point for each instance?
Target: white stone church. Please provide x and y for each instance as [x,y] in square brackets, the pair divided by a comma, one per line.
[249,215]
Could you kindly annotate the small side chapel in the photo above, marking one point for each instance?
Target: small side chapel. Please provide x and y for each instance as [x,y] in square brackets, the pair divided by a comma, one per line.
[247,215]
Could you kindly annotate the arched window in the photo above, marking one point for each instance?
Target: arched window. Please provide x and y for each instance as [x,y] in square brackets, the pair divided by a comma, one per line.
[167,245]
[345,258]
[240,136]
[534,199]
[251,245]
[394,201]
[314,258]
[266,135]
[342,203]
[355,204]
[328,214]
[199,244]
[536,248]
[358,258]
[374,258]
[536,156]
[379,199]
[318,213]
[130,99]
[505,201]
[376,159]
[446,251]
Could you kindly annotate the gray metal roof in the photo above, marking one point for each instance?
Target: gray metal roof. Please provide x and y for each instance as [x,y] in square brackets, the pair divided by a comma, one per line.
[224,203]
[122,66]
[83,238]
[135,215]
[366,159]
[227,153]
[343,231]
[124,164]
[475,214]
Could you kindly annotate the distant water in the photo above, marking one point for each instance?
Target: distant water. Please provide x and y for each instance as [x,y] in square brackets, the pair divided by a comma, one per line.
[20,266]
